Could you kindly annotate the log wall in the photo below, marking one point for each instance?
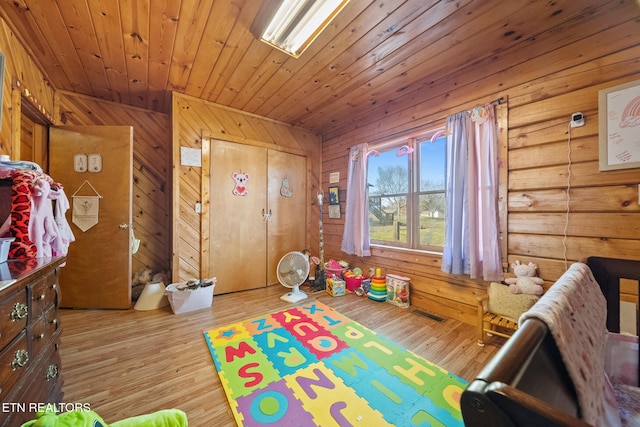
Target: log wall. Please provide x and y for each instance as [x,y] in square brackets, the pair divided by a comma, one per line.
[542,88]
[151,169]
[152,156]
[541,93]
[18,65]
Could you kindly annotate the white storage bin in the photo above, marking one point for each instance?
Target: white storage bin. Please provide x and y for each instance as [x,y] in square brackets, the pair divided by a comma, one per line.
[185,300]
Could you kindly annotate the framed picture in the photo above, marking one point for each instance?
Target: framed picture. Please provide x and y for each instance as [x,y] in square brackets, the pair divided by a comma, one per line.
[619,118]
[334,196]
[334,211]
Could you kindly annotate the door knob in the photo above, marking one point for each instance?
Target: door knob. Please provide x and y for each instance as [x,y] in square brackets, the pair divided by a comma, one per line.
[123,226]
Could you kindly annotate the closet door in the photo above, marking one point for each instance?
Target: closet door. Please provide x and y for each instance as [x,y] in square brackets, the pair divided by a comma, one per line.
[287,197]
[238,229]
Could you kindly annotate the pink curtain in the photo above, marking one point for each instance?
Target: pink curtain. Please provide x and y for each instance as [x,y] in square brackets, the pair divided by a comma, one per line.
[472,231]
[355,240]
[484,231]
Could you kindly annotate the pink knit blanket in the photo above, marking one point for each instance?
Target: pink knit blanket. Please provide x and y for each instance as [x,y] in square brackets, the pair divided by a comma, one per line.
[574,310]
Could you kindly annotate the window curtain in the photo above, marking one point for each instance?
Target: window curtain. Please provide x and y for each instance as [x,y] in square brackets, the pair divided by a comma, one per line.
[472,230]
[355,239]
[455,255]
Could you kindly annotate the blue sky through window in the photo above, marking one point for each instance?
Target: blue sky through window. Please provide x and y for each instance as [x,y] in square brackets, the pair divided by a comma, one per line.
[432,167]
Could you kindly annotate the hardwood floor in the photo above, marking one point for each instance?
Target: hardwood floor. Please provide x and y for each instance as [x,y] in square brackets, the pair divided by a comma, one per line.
[127,362]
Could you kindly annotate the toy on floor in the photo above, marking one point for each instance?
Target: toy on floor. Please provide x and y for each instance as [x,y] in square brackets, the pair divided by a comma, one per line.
[144,276]
[164,418]
[378,289]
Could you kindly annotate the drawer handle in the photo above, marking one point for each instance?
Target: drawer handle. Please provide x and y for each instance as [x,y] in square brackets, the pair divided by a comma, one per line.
[20,311]
[38,337]
[20,359]
[39,297]
[52,372]
[54,322]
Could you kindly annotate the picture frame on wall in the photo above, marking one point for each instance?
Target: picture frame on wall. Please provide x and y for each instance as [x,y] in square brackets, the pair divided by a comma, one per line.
[334,211]
[334,196]
[619,122]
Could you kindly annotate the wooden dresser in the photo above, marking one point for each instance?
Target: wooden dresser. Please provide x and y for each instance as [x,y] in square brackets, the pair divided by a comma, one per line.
[30,369]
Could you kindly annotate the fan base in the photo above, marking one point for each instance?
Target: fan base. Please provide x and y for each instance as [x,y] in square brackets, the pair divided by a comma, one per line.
[294,296]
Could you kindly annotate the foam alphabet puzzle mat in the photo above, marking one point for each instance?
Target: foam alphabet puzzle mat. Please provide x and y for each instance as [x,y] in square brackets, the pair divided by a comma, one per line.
[310,365]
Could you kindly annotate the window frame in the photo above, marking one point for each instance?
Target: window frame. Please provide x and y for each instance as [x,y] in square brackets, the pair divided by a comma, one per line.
[414,191]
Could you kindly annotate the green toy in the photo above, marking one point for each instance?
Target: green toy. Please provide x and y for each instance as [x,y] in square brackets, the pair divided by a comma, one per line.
[164,418]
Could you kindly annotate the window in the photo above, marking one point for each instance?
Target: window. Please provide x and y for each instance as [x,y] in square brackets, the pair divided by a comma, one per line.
[406,180]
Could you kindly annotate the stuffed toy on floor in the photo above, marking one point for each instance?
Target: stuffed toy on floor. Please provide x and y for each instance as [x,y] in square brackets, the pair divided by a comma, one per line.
[164,418]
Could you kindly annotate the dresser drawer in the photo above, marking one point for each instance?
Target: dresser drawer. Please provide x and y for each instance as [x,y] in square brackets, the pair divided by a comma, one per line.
[30,369]
[13,316]
[14,361]
[42,293]
[52,321]
[36,332]
[43,385]
[46,375]
[42,330]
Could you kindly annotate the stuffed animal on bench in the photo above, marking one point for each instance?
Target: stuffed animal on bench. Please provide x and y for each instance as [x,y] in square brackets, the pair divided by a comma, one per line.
[525,281]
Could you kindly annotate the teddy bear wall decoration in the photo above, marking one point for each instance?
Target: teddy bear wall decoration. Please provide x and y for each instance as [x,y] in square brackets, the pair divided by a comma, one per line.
[525,281]
[241,179]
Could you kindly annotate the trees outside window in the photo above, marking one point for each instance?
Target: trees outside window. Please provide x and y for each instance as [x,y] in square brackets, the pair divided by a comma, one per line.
[406,180]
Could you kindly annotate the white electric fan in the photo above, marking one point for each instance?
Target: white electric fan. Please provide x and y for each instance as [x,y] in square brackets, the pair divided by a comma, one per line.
[292,271]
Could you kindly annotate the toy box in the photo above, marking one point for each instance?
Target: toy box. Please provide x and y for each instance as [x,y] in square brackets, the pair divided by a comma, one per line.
[398,290]
[335,287]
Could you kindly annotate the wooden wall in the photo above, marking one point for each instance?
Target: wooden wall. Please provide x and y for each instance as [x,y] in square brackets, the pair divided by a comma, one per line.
[194,120]
[152,153]
[541,93]
[151,169]
[19,65]
[542,90]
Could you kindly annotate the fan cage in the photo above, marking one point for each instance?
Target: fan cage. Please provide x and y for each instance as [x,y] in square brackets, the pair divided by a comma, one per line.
[293,263]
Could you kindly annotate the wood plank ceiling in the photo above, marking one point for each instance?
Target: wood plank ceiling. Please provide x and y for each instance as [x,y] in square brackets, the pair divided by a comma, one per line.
[373,55]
